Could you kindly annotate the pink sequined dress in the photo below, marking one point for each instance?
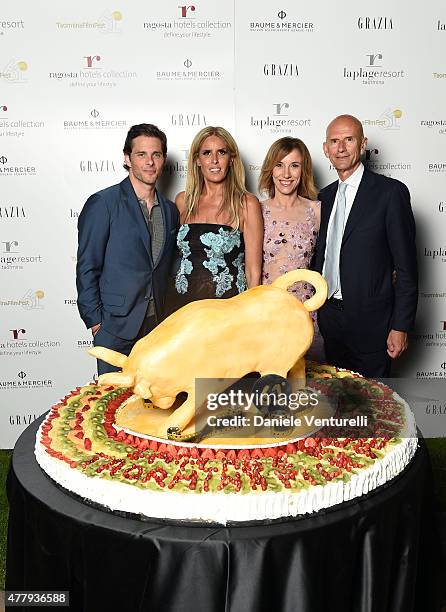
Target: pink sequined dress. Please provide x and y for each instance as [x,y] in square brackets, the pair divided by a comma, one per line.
[289,244]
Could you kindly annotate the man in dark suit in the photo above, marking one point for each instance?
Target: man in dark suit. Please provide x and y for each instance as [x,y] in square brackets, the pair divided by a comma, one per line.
[366,251]
[127,237]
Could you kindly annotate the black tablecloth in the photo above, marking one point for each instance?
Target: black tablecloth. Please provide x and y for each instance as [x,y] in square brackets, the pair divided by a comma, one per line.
[370,555]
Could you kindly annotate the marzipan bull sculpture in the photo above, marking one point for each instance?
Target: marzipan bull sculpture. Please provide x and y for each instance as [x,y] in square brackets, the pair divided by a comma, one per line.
[264,329]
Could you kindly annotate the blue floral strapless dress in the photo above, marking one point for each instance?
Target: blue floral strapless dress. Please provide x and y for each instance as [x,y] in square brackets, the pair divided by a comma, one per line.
[212,264]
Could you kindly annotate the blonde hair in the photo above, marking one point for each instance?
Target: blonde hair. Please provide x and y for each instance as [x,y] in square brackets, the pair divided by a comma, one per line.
[277,151]
[234,184]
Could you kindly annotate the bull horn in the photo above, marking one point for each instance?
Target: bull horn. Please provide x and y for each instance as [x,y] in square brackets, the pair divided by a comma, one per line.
[119,379]
[308,276]
[113,357]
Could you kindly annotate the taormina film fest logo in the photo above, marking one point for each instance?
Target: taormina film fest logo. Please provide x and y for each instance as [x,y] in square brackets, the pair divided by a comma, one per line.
[187,22]
[95,119]
[189,70]
[12,126]
[109,22]
[14,72]
[12,256]
[31,300]
[280,119]
[92,72]
[373,71]
[281,21]
[24,381]
[375,22]
[10,168]
[388,120]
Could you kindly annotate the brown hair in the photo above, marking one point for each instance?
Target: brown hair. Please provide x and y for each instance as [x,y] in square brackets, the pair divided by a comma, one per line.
[277,151]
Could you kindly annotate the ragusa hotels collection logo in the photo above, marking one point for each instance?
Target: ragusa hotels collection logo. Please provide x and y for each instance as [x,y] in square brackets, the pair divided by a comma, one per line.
[94,71]
[188,23]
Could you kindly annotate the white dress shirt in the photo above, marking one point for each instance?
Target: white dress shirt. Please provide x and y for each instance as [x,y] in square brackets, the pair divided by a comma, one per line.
[350,193]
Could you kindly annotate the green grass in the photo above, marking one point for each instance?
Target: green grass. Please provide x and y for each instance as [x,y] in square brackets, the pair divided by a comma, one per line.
[4,464]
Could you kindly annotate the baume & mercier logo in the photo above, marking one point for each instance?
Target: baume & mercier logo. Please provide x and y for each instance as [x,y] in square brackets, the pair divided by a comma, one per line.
[439,373]
[188,22]
[24,381]
[189,71]
[436,167]
[94,120]
[83,344]
[13,169]
[373,71]
[280,120]
[281,21]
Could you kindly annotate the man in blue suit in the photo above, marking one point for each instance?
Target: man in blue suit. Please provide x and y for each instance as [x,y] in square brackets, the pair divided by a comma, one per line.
[127,238]
[366,251]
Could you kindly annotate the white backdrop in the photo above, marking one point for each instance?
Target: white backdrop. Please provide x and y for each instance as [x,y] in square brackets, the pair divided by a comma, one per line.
[75,76]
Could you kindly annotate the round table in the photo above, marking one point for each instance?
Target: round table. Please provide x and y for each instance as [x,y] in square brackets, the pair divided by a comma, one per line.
[369,555]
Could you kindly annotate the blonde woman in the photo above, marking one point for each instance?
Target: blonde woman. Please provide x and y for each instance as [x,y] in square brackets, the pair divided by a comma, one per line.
[291,215]
[221,233]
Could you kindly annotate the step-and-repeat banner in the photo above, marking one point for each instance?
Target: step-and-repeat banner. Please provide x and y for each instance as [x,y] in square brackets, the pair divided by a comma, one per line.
[75,76]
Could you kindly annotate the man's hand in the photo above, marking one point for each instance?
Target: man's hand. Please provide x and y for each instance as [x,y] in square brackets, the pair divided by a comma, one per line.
[95,329]
[396,343]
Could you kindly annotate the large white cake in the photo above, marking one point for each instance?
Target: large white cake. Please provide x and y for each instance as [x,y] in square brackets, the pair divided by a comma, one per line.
[80,447]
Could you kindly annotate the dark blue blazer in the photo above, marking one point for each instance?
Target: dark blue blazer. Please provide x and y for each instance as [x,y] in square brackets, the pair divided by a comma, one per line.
[379,237]
[115,273]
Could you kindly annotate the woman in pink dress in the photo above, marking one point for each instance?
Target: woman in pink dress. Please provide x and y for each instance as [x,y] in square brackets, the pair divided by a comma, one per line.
[291,217]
